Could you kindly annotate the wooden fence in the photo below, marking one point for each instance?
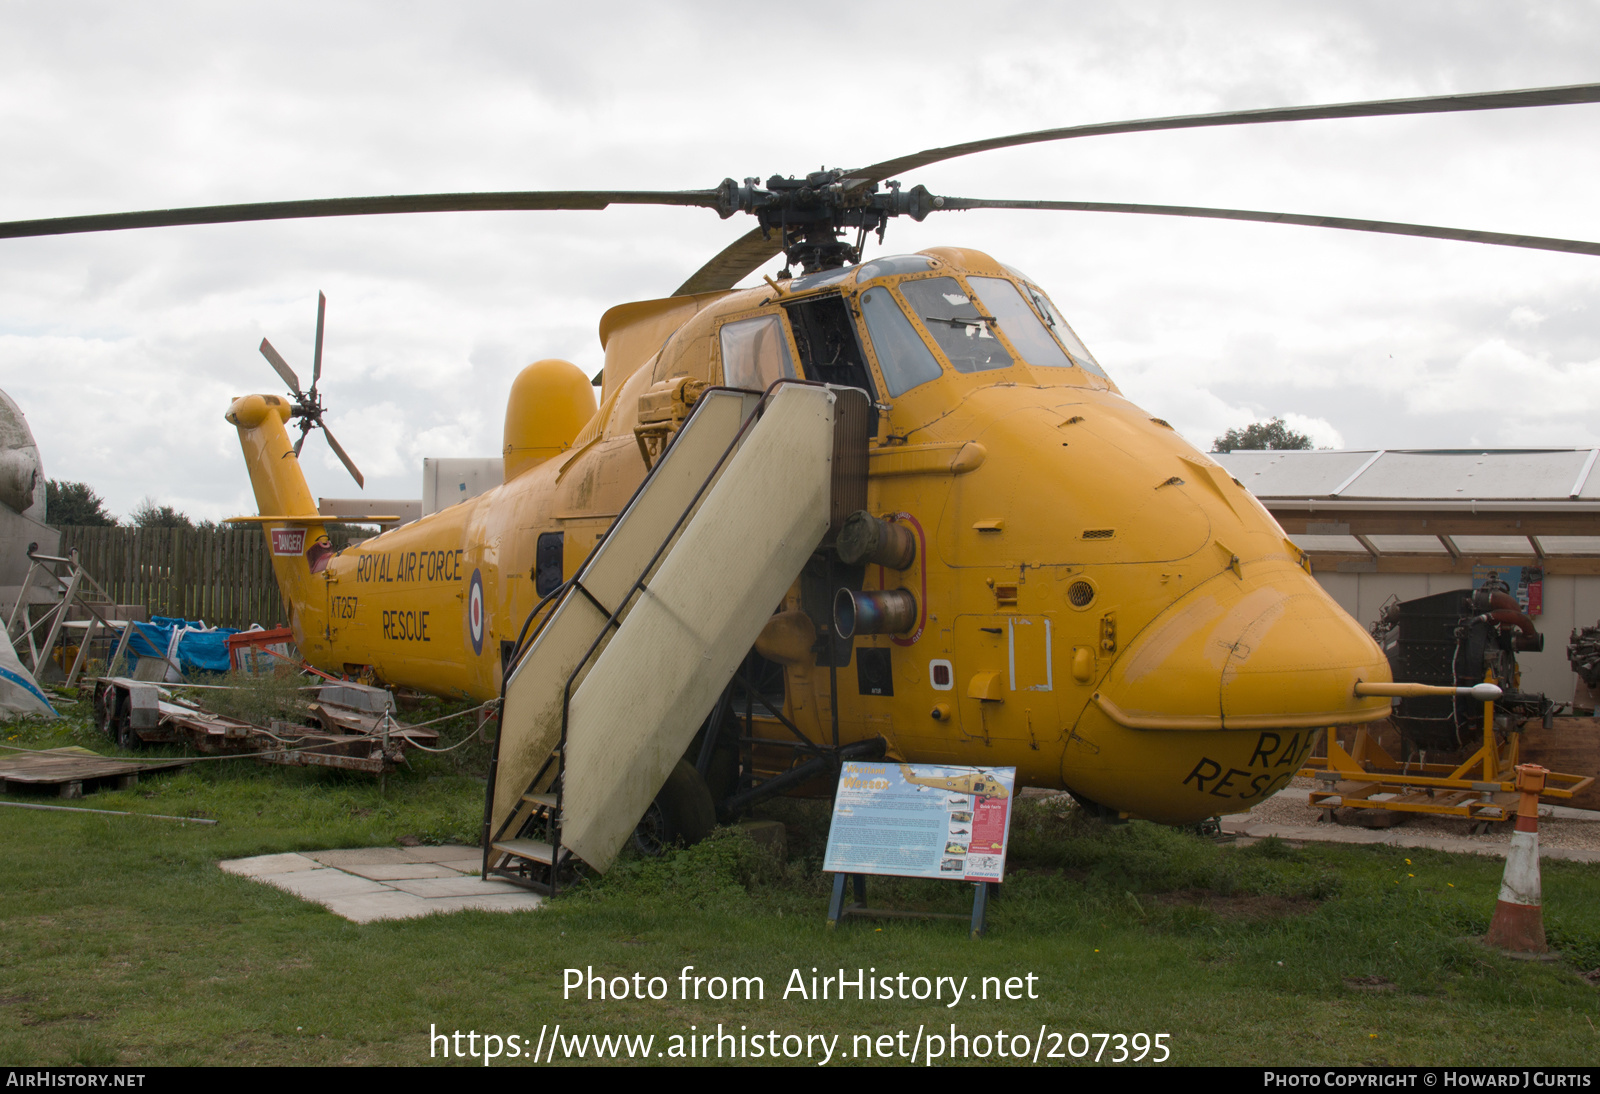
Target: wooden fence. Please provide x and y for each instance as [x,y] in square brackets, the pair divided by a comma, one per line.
[221,575]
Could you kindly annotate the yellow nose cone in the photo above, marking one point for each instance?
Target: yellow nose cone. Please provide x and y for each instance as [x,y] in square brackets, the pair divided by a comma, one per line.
[1265,649]
[1216,704]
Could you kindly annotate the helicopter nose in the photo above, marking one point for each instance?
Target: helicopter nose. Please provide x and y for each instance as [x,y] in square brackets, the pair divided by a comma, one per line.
[1262,648]
[1215,705]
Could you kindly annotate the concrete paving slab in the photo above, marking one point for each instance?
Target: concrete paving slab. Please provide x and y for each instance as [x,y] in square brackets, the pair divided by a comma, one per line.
[456,886]
[464,865]
[264,865]
[447,852]
[366,856]
[400,871]
[365,885]
[371,907]
[324,884]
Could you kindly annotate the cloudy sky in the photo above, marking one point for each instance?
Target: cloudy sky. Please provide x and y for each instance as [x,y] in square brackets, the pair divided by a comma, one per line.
[125,348]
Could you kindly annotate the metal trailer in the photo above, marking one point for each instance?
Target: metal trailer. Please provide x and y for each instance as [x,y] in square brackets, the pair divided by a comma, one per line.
[354,727]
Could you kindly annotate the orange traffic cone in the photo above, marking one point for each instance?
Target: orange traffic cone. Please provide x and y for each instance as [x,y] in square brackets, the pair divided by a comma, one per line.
[1518,923]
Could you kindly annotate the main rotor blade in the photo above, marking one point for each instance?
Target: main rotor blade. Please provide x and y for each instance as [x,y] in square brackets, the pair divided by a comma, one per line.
[1433,104]
[354,207]
[316,354]
[344,458]
[741,258]
[1385,227]
[281,367]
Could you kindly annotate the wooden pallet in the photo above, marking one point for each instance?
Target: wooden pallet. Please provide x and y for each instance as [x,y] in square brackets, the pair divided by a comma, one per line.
[72,770]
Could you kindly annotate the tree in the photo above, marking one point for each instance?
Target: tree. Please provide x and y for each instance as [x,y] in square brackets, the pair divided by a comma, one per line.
[74,504]
[1258,435]
[147,514]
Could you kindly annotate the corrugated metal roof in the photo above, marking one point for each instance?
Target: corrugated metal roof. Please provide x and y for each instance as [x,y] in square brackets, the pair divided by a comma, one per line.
[1537,475]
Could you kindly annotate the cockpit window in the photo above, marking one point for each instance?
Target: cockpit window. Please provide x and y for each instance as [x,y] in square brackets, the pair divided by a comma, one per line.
[903,356]
[1058,326]
[1021,326]
[892,264]
[755,354]
[956,325]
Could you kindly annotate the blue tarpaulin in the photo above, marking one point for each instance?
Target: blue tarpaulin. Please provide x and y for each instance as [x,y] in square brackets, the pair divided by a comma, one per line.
[198,650]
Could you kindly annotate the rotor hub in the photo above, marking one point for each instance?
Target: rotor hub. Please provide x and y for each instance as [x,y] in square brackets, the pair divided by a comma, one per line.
[813,213]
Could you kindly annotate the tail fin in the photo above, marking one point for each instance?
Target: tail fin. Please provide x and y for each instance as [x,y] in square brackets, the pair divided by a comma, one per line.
[296,535]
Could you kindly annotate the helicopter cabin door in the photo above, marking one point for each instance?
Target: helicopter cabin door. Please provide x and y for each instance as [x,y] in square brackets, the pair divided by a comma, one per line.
[830,353]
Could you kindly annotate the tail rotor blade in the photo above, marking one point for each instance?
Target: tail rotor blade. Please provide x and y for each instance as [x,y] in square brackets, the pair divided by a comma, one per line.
[281,367]
[344,458]
[305,427]
[316,356]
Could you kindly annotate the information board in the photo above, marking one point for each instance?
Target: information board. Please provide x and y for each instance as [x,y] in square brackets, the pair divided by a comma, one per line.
[921,820]
[1525,582]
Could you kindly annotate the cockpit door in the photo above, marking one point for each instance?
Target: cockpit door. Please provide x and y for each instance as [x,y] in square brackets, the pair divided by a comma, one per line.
[829,349]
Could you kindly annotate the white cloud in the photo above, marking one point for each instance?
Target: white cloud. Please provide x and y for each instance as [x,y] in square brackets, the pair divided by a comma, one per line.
[123,349]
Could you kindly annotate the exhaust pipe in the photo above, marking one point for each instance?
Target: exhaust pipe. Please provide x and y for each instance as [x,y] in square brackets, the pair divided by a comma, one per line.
[866,538]
[891,611]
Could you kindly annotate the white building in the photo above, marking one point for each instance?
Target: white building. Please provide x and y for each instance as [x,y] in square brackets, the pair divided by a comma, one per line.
[1407,523]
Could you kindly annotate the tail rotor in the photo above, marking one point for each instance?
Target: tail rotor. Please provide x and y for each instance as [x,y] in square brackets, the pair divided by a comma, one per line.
[308,404]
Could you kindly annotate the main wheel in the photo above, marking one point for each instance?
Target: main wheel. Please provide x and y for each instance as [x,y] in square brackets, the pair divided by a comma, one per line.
[683,813]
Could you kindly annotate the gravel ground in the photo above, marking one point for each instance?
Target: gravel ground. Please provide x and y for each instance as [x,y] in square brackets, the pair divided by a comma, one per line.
[1289,807]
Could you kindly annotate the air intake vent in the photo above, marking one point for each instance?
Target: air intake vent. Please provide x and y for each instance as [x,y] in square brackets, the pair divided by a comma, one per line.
[1080,594]
[1099,533]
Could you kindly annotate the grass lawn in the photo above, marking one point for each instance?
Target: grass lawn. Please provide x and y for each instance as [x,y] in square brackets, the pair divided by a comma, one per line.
[122,943]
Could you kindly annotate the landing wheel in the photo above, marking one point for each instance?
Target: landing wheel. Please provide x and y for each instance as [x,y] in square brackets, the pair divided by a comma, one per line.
[683,813]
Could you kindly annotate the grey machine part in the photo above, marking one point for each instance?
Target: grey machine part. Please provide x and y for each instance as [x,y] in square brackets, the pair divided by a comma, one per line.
[22,510]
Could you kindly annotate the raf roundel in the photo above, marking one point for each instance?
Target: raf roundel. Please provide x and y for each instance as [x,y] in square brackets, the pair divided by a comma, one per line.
[475,612]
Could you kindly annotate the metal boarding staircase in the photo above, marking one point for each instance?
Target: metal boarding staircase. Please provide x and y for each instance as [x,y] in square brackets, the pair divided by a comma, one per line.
[640,645]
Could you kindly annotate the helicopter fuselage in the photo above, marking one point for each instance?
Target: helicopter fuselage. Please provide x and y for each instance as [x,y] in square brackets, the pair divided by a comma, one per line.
[1098,604]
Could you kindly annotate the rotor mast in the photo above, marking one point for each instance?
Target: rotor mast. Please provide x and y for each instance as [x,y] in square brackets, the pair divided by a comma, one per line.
[811,215]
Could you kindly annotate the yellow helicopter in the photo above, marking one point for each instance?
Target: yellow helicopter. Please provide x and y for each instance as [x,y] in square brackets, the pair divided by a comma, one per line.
[1041,575]
[982,783]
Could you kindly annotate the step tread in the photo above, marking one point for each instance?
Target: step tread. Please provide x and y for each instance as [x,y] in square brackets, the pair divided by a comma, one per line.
[540,799]
[531,849]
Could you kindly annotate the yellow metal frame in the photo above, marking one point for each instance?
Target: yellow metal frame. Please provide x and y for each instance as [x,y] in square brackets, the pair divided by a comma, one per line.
[1483,788]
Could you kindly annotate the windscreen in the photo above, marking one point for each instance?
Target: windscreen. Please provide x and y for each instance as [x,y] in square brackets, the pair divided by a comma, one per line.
[903,356]
[956,325]
[1058,327]
[1018,322]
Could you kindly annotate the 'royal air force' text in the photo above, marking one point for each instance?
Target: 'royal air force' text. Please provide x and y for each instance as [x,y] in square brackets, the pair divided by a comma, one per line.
[396,566]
